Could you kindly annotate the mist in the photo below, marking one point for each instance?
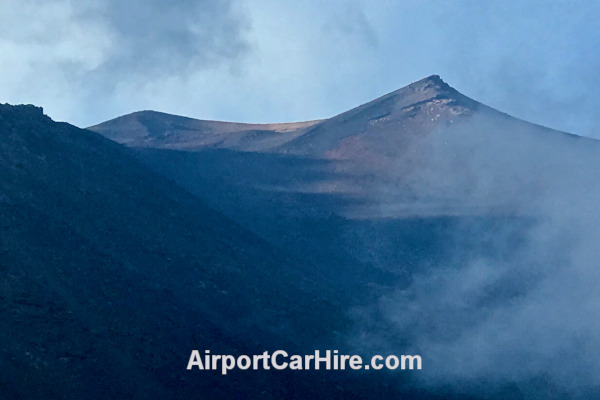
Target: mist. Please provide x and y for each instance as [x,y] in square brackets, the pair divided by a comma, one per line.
[513,308]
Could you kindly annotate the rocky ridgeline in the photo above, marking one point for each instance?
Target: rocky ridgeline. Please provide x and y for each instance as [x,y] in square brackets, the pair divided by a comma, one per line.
[22,114]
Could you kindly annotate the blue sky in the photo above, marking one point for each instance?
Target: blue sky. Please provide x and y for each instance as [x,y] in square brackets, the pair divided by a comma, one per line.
[269,61]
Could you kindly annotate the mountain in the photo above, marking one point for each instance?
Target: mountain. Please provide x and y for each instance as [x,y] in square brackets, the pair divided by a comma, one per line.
[420,157]
[383,125]
[112,274]
[448,227]
[416,108]
[422,222]
[387,150]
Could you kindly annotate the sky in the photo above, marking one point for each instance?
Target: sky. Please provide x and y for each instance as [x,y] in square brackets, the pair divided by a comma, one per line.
[87,61]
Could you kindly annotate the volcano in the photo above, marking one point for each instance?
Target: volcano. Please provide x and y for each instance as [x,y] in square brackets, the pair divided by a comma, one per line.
[422,222]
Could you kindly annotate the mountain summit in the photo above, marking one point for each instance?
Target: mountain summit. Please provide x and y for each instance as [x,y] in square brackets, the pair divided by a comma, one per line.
[387,123]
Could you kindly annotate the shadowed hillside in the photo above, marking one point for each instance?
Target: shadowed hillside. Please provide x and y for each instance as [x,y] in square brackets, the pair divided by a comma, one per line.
[111,275]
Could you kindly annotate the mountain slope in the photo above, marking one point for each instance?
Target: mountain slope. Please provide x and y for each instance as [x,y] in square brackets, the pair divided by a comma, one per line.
[159,130]
[111,275]
[461,232]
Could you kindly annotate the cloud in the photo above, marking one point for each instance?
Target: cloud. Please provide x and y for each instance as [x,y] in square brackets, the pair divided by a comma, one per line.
[76,56]
[261,61]
[160,38]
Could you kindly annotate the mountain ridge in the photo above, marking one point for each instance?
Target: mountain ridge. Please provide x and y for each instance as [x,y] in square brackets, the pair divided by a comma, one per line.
[420,106]
[151,128]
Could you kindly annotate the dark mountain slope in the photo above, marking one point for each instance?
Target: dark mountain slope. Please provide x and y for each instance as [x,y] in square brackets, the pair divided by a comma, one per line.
[111,275]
